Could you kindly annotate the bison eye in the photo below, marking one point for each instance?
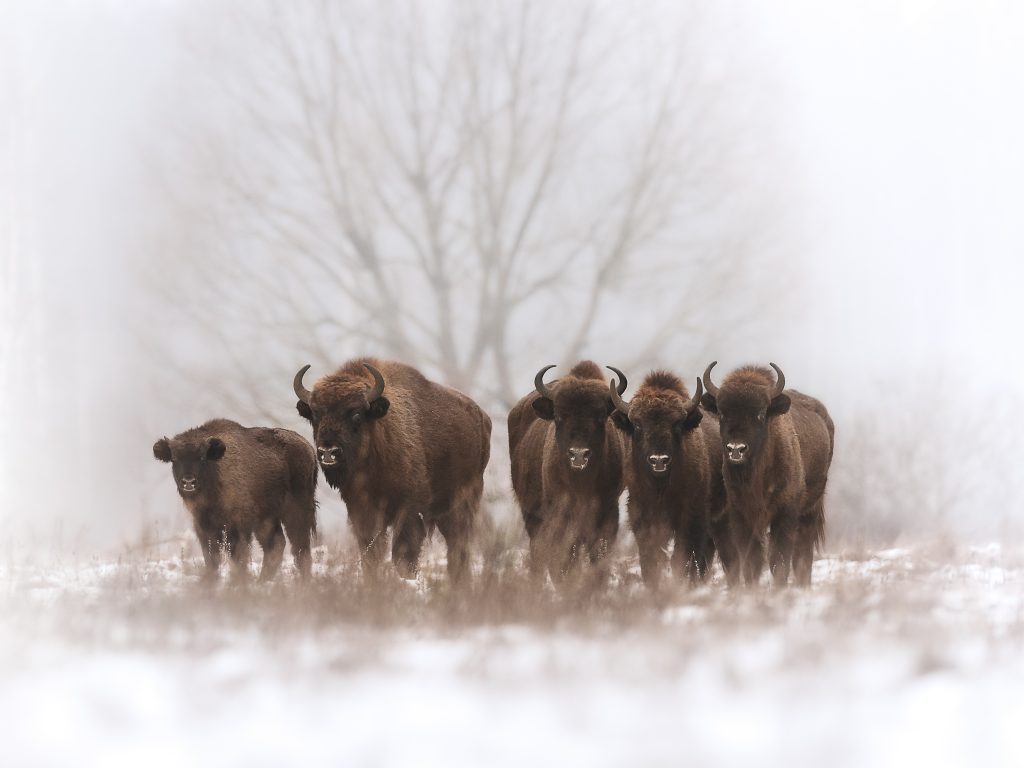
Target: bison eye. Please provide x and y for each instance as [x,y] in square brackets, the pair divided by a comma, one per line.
[761,416]
[357,417]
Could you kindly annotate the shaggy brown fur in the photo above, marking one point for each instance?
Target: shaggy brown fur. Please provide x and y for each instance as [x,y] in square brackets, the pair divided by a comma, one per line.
[776,489]
[409,461]
[669,478]
[242,482]
[566,510]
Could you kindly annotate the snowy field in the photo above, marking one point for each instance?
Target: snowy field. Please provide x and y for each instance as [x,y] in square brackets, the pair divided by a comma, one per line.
[895,658]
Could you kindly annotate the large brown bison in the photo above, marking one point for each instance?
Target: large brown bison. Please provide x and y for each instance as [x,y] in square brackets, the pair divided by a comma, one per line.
[241,482]
[674,490]
[567,468]
[777,448]
[405,453]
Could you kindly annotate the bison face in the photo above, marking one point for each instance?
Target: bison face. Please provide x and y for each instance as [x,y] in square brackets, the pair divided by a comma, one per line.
[657,434]
[340,415]
[744,411]
[580,409]
[657,422]
[191,462]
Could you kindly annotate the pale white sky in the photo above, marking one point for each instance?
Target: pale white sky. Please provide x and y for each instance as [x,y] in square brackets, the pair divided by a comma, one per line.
[898,125]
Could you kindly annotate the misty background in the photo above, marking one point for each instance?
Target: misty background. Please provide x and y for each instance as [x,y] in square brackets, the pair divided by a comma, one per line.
[198,199]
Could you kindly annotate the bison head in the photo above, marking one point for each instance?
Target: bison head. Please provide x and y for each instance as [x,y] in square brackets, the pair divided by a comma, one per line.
[340,408]
[191,461]
[658,418]
[745,403]
[579,408]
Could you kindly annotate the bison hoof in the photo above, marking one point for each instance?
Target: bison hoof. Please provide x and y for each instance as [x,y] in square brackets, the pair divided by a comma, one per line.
[405,569]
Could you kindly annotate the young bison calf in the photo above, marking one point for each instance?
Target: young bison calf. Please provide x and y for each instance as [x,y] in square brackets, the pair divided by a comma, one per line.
[241,482]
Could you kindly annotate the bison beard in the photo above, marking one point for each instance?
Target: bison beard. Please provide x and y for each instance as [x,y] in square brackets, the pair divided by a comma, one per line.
[243,482]
[673,489]
[567,470]
[406,454]
[776,452]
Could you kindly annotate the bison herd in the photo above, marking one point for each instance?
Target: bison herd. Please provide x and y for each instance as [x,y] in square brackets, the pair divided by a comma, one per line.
[738,468]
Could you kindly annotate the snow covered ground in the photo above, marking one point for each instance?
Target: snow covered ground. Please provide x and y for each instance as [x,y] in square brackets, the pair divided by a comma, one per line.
[900,657]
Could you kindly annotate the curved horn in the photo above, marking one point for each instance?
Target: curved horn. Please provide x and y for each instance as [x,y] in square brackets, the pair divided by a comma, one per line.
[378,383]
[780,383]
[695,401]
[709,385]
[620,405]
[621,386]
[300,391]
[538,382]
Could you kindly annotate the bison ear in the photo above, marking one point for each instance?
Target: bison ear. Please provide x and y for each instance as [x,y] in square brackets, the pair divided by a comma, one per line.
[709,402]
[544,408]
[692,420]
[621,420]
[304,410]
[214,449]
[378,407]
[780,405]
[162,449]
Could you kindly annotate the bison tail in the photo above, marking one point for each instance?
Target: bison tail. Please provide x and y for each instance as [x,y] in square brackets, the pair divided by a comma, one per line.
[817,525]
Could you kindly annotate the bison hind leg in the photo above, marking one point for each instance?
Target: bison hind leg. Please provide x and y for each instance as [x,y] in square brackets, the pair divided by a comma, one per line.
[239,546]
[810,535]
[300,525]
[271,539]
[409,533]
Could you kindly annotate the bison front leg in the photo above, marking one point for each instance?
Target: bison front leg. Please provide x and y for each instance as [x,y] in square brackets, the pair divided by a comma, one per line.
[781,542]
[749,543]
[271,539]
[652,539]
[693,549]
[209,541]
[601,542]
[371,536]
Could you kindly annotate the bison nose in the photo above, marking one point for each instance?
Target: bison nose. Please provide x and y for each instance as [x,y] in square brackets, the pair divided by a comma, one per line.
[579,457]
[737,452]
[188,483]
[659,462]
[328,455]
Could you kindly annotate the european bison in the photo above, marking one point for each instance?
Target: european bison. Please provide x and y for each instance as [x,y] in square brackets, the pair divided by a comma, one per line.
[240,482]
[567,468]
[777,448]
[409,460]
[673,488]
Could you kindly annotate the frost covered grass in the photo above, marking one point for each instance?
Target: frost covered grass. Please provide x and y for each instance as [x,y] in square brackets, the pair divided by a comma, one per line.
[908,656]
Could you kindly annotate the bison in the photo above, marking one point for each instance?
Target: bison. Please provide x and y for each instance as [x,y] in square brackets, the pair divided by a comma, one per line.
[239,482]
[674,489]
[777,449]
[405,453]
[567,468]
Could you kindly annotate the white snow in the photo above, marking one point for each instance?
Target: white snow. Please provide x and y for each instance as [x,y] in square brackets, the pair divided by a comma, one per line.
[904,657]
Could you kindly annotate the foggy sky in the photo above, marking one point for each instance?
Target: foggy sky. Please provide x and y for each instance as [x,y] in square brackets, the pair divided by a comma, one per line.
[896,130]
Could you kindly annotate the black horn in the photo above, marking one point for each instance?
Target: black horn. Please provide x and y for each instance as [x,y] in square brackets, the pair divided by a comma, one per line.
[538,382]
[709,385]
[695,401]
[378,383]
[300,391]
[620,405]
[621,386]
[780,382]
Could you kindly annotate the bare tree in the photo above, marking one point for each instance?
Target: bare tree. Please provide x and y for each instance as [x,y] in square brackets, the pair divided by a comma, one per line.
[473,187]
